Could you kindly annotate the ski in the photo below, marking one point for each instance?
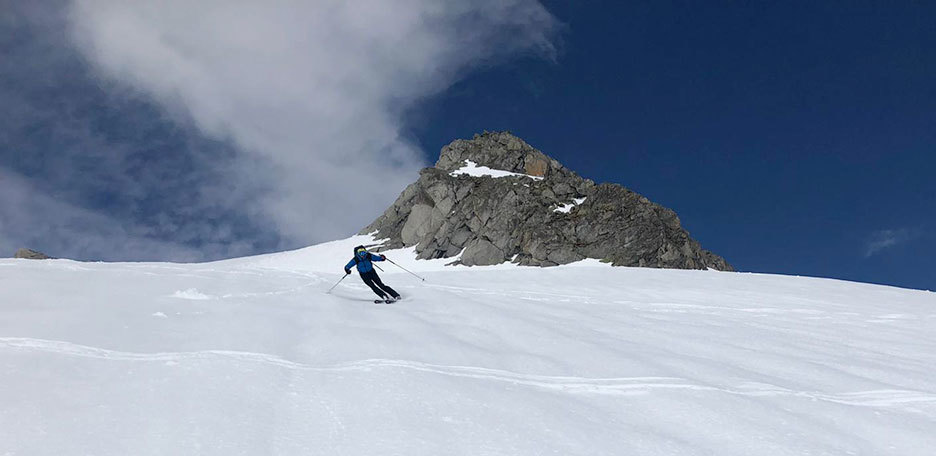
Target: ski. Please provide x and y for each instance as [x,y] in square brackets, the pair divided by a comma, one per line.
[383,301]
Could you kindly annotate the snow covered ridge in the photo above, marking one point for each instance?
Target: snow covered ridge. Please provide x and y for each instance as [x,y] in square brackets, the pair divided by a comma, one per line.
[251,356]
[472,169]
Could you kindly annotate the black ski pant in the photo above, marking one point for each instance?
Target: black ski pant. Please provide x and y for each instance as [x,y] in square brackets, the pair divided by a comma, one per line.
[373,281]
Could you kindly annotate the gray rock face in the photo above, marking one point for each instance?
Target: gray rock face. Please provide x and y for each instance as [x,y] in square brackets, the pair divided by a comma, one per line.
[31,255]
[547,216]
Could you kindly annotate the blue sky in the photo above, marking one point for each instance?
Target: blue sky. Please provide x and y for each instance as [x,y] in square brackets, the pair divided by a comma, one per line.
[790,137]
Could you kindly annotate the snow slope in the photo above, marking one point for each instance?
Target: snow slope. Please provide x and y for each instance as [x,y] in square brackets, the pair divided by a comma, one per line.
[250,356]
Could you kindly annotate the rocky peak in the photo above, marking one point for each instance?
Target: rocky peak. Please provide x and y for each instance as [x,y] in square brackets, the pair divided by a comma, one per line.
[495,198]
[500,150]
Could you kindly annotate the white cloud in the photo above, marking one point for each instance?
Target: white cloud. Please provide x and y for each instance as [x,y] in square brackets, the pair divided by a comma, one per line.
[311,91]
[885,239]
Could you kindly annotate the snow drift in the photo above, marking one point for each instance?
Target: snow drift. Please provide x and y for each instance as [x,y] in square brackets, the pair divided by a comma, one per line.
[250,356]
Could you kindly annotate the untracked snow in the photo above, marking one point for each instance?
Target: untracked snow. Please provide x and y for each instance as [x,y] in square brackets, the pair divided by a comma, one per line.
[251,357]
[472,169]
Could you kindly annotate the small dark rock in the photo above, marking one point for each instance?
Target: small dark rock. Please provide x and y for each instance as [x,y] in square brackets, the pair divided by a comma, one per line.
[29,254]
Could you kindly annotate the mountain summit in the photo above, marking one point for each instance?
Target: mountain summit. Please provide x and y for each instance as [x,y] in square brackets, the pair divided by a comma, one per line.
[495,198]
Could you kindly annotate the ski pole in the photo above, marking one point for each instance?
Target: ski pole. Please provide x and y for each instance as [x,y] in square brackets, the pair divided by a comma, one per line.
[336,283]
[375,265]
[407,270]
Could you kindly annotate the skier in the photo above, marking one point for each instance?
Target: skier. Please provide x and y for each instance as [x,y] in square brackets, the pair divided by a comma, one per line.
[363,260]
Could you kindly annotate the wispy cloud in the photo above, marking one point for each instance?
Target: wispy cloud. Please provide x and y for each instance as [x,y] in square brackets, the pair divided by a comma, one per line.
[32,218]
[314,89]
[92,169]
[236,121]
[884,239]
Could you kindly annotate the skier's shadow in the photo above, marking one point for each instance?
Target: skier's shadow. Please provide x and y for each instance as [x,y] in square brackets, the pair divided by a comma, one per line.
[351,298]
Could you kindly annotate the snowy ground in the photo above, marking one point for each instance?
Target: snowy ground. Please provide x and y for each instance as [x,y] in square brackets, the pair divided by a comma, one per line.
[250,356]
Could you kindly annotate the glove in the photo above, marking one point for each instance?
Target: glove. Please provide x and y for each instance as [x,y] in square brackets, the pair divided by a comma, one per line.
[347,271]
[383,257]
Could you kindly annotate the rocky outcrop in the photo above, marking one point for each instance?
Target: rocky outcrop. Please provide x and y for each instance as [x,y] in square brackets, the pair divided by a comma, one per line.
[541,215]
[31,255]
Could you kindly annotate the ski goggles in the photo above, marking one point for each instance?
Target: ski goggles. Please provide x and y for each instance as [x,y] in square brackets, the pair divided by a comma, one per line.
[360,251]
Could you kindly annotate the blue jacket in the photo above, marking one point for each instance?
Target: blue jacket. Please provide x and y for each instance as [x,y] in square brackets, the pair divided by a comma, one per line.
[363,262]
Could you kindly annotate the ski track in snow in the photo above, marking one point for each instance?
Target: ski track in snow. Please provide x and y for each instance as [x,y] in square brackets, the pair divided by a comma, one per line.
[251,356]
[626,386]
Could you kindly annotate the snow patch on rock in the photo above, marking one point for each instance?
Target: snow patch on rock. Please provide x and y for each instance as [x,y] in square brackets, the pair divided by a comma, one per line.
[472,169]
[565,208]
